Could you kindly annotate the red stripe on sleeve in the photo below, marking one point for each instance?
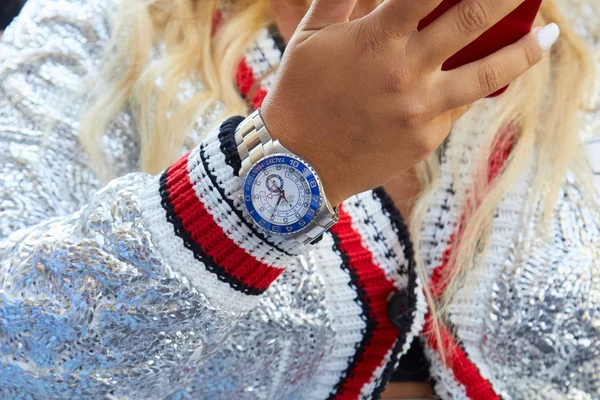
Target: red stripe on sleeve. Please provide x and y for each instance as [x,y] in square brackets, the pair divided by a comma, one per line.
[248,86]
[477,387]
[211,238]
[376,289]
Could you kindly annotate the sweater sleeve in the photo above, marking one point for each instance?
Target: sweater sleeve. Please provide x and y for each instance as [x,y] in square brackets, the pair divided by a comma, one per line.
[124,291]
[131,294]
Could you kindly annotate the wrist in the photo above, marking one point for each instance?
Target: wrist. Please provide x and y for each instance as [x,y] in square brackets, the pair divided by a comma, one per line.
[305,144]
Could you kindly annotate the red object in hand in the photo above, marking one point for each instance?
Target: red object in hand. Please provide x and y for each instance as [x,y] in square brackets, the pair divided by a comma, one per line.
[506,32]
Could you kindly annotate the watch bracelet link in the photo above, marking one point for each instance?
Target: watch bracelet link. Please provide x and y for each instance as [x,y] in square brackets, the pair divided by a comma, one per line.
[253,144]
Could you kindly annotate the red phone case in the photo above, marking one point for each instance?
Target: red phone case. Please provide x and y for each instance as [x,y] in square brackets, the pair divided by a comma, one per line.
[510,29]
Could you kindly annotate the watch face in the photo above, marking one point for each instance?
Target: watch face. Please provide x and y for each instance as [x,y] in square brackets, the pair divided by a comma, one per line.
[281,194]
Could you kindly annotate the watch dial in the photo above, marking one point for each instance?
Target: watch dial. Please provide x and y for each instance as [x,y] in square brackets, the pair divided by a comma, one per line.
[281,194]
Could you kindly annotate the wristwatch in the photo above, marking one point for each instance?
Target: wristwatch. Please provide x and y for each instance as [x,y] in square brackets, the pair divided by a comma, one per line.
[282,193]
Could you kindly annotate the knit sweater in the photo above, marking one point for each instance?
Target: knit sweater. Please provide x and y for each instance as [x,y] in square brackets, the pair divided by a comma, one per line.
[158,287]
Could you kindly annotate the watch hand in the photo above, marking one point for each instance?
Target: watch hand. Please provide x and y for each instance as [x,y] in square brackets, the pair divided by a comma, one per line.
[280,191]
[276,206]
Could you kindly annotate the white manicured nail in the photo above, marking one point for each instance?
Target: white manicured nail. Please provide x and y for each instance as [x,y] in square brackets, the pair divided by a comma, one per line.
[547,36]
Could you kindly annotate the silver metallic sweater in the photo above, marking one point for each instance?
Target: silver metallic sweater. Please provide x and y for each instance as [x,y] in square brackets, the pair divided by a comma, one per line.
[156,287]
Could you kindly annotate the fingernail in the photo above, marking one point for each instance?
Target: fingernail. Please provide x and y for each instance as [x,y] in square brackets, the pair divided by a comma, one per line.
[547,36]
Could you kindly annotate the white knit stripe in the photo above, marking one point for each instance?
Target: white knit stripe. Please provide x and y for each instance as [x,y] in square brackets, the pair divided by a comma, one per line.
[263,54]
[182,260]
[470,307]
[363,208]
[462,149]
[446,385]
[418,316]
[344,314]
[262,57]
[442,218]
[439,222]
[232,188]
[242,235]
[227,220]
[438,225]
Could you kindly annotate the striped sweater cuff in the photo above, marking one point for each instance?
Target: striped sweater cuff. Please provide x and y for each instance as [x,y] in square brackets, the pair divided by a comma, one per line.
[195,216]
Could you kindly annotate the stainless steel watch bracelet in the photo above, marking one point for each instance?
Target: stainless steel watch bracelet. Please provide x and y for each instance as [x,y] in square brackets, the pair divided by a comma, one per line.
[253,144]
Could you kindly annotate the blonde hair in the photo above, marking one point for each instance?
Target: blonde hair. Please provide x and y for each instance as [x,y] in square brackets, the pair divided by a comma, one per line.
[149,84]
[543,107]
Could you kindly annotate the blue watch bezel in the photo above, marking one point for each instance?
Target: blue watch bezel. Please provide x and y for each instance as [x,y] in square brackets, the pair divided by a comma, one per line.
[305,170]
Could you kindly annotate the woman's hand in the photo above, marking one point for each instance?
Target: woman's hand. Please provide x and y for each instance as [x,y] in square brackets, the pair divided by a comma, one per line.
[366,99]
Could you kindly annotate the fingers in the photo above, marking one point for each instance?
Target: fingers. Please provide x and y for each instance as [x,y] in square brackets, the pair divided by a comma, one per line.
[402,16]
[474,81]
[458,27]
[327,12]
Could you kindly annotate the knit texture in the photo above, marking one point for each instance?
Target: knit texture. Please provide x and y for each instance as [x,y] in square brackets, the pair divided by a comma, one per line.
[142,288]
[373,290]
[196,206]
[194,224]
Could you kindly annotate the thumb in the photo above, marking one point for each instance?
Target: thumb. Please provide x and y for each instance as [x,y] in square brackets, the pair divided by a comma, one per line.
[327,12]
